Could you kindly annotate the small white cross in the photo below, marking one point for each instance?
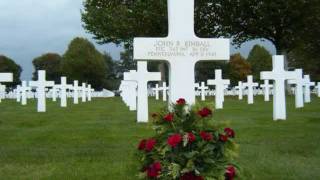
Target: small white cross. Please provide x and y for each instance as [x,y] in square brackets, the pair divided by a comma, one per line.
[41,85]
[298,91]
[266,88]
[24,89]
[142,77]
[156,89]
[307,85]
[63,91]
[250,85]
[240,90]
[220,85]
[279,75]
[203,89]
[164,90]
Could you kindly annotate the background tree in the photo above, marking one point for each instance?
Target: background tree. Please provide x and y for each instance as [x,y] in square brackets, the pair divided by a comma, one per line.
[84,63]
[205,70]
[239,68]
[279,21]
[8,65]
[112,81]
[50,62]
[260,60]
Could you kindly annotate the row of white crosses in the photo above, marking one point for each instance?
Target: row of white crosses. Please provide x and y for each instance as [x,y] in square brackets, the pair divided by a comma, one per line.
[41,84]
[182,50]
[279,75]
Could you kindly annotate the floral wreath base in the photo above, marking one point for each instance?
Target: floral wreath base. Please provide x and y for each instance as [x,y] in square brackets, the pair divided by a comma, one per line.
[188,145]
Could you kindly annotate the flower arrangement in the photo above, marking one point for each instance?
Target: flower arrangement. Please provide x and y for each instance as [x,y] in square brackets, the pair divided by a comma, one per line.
[188,145]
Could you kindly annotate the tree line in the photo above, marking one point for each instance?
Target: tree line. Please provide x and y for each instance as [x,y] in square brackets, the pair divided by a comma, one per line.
[83,62]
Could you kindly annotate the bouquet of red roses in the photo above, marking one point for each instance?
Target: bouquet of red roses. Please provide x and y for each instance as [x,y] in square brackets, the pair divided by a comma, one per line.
[188,145]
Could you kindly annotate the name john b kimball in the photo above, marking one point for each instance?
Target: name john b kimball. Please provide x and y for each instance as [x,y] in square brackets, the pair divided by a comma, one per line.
[185,44]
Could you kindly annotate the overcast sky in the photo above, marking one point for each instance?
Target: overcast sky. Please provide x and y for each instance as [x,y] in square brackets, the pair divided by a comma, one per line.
[30,28]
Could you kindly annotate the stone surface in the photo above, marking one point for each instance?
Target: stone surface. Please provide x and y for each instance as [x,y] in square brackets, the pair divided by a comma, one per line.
[181,49]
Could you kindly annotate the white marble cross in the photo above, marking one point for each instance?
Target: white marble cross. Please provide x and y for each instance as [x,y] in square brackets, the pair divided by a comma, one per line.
[83,92]
[164,90]
[63,91]
[18,93]
[76,90]
[279,75]
[24,89]
[129,90]
[250,85]
[142,77]
[156,90]
[220,85]
[307,85]
[41,85]
[266,89]
[203,89]
[54,92]
[298,91]
[2,92]
[182,49]
[89,91]
[240,90]
[318,89]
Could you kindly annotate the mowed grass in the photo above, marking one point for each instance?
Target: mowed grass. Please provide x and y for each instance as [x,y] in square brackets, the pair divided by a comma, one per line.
[98,139]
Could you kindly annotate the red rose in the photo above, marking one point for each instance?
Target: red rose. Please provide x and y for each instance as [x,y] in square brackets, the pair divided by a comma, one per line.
[181,101]
[153,170]
[223,138]
[150,144]
[191,176]
[174,140]
[230,173]
[206,136]
[191,137]
[230,132]
[205,112]
[168,117]
[142,144]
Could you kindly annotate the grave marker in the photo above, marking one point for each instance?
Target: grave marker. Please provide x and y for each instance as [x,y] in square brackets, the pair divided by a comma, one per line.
[41,85]
[279,75]
[181,49]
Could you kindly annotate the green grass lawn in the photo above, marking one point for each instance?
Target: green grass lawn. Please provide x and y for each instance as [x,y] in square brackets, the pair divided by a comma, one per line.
[97,140]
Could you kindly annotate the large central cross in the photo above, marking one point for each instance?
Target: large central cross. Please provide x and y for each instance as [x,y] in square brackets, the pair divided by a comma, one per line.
[182,49]
[250,85]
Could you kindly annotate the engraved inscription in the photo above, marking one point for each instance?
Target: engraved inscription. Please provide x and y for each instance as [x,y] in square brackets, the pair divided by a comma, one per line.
[166,48]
